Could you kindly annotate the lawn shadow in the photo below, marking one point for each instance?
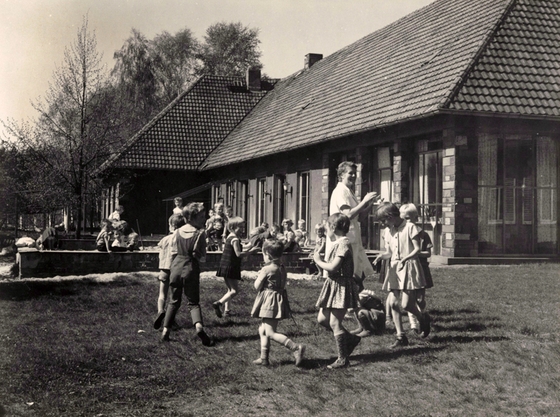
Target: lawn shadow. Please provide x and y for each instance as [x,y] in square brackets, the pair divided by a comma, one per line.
[231,323]
[385,354]
[439,313]
[465,339]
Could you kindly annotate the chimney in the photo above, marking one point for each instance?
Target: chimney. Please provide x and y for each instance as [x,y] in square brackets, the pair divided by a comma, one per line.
[311,59]
[253,79]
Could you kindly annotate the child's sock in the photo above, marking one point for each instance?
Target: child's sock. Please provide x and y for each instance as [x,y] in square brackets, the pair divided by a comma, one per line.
[263,360]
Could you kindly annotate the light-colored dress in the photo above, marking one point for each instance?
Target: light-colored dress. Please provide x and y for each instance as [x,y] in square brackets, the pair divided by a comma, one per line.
[340,197]
[339,290]
[399,243]
[272,300]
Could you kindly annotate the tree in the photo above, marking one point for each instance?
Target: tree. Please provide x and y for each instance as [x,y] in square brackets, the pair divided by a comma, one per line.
[75,129]
[229,49]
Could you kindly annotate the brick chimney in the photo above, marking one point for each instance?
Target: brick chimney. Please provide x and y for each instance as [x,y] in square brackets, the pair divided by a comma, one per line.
[253,79]
[311,59]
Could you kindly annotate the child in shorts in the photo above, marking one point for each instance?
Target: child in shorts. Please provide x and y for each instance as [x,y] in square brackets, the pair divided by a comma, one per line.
[167,251]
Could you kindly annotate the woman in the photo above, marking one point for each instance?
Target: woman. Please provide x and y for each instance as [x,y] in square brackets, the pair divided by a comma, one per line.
[343,200]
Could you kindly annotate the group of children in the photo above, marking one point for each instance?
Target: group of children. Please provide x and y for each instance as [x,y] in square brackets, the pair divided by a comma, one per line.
[405,277]
[116,235]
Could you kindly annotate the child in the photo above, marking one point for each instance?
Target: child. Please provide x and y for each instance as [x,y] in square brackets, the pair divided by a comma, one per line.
[116,215]
[370,314]
[167,251]
[103,240]
[302,240]
[271,303]
[339,292]
[320,243]
[230,266]
[409,212]
[178,209]
[215,226]
[185,271]
[290,243]
[404,273]
[287,226]
[119,241]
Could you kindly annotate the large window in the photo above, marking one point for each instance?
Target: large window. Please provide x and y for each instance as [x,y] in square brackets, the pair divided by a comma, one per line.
[517,195]
[262,194]
[279,199]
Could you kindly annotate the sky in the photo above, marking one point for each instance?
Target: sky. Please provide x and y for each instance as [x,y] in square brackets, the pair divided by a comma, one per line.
[34,33]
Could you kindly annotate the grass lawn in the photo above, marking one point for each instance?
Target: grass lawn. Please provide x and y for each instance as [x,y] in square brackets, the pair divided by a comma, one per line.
[85,346]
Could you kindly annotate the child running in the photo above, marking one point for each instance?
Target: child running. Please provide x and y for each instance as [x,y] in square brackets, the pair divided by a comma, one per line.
[409,212]
[339,292]
[230,266]
[271,303]
[167,252]
[185,271]
[404,274]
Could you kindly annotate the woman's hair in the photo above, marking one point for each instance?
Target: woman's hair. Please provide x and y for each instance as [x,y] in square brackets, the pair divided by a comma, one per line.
[409,211]
[386,210]
[339,221]
[344,167]
[176,221]
[178,200]
[234,222]
[191,210]
[273,248]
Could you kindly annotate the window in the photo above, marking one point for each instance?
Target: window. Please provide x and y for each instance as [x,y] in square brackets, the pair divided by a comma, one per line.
[279,198]
[262,193]
[303,197]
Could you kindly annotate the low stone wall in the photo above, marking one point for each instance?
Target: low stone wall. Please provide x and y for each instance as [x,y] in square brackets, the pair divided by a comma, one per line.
[35,263]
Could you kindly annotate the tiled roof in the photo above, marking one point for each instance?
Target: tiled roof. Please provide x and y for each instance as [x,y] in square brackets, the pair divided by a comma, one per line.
[519,70]
[412,68]
[190,127]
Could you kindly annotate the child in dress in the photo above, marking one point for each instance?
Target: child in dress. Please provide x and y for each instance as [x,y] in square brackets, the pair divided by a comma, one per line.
[320,243]
[287,226]
[271,303]
[304,239]
[409,212]
[104,238]
[178,209]
[404,274]
[230,266]
[167,252]
[185,271]
[290,243]
[215,227]
[339,292]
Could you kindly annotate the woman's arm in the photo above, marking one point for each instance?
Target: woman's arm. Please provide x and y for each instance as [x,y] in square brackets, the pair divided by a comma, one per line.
[366,202]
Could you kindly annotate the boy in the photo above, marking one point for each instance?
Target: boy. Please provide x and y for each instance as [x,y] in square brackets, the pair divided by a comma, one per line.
[370,314]
[168,250]
[185,271]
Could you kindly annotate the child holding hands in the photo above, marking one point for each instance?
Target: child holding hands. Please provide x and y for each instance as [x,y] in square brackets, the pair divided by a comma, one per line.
[185,271]
[271,303]
[230,266]
[404,274]
[167,252]
[339,292]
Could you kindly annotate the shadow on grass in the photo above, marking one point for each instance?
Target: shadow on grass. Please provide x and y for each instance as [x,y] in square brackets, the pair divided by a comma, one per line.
[27,290]
[465,339]
[440,313]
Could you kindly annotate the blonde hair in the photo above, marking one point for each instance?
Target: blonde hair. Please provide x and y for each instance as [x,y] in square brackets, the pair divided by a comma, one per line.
[234,222]
[409,212]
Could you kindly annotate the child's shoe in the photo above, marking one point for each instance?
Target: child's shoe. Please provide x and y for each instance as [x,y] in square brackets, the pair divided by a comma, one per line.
[217,308]
[298,354]
[364,333]
[159,319]
[206,341]
[400,342]
[229,313]
[339,363]
[260,361]
[425,325]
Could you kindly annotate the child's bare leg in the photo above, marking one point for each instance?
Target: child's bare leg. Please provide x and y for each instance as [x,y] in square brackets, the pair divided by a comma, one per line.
[336,319]
[345,342]
[409,304]
[232,285]
[270,326]
[393,302]
[162,296]
[265,347]
[421,302]
[323,318]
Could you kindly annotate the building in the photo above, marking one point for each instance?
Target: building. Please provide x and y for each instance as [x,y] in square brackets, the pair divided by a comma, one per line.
[455,107]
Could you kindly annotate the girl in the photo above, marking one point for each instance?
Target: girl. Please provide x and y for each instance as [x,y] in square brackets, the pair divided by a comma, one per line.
[304,239]
[185,271]
[404,273]
[320,242]
[287,226]
[230,266]
[339,292]
[409,212]
[271,303]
